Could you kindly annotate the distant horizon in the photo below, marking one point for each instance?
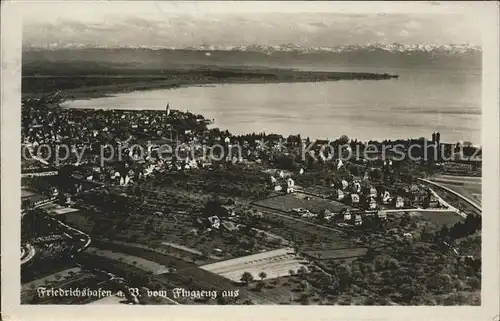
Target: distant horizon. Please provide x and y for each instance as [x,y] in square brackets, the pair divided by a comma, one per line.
[236,46]
[194,24]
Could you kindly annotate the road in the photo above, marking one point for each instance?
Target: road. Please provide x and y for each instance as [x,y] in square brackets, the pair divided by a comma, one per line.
[420,210]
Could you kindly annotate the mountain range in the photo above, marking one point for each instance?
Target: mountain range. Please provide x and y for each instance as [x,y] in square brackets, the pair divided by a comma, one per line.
[451,56]
[270,49]
[395,47]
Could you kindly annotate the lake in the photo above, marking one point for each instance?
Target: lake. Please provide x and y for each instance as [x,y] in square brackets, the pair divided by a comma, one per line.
[412,106]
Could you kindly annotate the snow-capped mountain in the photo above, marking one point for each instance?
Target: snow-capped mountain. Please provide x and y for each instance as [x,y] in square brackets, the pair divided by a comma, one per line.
[394,47]
[270,49]
[349,57]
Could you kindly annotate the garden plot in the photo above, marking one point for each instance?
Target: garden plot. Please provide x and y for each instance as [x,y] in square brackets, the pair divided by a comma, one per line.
[299,200]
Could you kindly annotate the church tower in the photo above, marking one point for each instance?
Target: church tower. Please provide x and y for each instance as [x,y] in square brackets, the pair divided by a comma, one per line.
[167,110]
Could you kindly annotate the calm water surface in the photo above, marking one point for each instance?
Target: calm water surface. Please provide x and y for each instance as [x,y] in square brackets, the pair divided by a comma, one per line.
[412,106]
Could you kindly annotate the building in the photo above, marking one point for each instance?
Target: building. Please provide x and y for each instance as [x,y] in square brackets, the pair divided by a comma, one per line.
[328,215]
[386,199]
[408,236]
[356,187]
[354,199]
[340,195]
[290,185]
[399,202]
[372,204]
[347,215]
[227,210]
[214,221]
[382,215]
[358,220]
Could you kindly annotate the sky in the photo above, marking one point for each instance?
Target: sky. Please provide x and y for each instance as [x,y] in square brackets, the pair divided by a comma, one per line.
[187,24]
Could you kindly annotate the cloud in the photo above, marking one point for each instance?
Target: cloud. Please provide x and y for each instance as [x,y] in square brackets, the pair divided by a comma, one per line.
[413,25]
[319,24]
[184,29]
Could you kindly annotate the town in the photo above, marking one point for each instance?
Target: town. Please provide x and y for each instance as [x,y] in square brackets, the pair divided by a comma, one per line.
[258,216]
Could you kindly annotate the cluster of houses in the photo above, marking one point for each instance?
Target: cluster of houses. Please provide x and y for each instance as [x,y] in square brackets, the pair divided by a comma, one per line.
[356,195]
[355,217]
[344,218]
[362,195]
[221,221]
[283,182]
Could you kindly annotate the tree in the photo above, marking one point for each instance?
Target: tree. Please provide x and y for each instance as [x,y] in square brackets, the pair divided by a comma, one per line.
[302,271]
[313,238]
[221,300]
[304,285]
[370,254]
[343,140]
[262,275]
[213,207]
[475,283]
[304,299]
[246,277]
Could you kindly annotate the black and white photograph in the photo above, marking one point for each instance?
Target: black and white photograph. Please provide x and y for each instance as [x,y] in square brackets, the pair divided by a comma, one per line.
[202,154]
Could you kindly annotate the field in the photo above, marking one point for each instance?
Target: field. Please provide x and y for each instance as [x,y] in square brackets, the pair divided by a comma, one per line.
[299,200]
[457,201]
[469,187]
[59,210]
[440,218]
[336,254]
[26,193]
[68,273]
[138,224]
[146,265]
[274,263]
[186,274]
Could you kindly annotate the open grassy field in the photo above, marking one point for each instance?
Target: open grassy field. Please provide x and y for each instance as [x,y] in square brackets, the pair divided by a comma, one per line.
[469,187]
[146,265]
[26,193]
[440,218]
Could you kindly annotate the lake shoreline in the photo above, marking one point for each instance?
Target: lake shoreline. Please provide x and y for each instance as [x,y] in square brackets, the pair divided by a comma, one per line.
[101,92]
[321,109]
[88,86]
